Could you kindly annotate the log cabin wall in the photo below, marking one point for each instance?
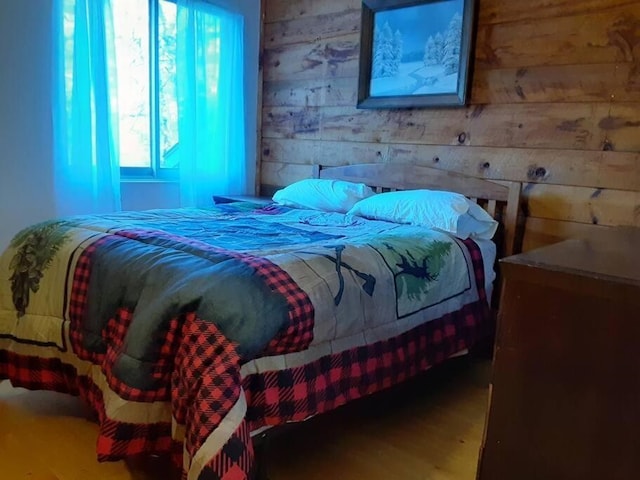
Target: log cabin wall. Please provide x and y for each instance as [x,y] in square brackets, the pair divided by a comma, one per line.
[554,103]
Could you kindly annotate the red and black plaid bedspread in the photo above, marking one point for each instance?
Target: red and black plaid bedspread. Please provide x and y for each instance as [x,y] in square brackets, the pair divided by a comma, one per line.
[193,382]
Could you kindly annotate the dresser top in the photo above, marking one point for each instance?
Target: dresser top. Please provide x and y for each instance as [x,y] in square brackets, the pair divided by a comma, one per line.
[612,254]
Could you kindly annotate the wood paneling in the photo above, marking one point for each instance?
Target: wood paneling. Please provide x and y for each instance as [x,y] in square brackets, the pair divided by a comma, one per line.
[598,169]
[501,11]
[319,27]
[619,82]
[340,91]
[607,35]
[614,83]
[585,126]
[336,57]
[273,173]
[541,232]
[583,205]
[555,104]
[279,10]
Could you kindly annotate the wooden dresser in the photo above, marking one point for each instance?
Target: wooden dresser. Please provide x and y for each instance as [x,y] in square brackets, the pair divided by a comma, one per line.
[565,389]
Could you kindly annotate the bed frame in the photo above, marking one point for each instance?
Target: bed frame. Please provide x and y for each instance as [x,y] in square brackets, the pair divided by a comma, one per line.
[500,199]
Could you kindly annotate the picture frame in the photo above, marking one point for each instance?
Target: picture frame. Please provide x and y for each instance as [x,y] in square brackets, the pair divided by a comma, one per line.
[415,53]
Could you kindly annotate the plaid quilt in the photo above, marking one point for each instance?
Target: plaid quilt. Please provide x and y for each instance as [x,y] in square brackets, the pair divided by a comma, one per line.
[188,329]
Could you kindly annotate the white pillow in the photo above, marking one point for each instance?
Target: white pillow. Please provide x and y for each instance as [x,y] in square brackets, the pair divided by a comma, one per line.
[476,223]
[447,211]
[323,194]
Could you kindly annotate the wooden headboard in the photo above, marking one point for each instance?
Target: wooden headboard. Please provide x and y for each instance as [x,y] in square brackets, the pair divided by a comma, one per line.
[500,199]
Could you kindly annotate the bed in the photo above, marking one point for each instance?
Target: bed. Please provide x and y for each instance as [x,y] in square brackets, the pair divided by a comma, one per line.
[190,330]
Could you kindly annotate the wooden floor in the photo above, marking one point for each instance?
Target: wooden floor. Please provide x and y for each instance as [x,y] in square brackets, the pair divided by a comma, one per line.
[427,429]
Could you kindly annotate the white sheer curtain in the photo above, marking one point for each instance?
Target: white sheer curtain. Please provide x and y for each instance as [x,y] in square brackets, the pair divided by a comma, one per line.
[211,125]
[86,166]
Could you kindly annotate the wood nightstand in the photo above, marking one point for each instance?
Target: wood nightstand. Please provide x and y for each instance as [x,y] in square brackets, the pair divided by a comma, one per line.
[217,199]
[565,390]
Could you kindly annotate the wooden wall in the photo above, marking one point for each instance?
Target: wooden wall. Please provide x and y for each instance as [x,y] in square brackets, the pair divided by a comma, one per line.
[554,103]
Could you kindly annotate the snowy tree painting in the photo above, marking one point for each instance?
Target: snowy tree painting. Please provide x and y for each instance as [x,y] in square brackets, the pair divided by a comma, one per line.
[434,50]
[417,50]
[387,48]
[452,42]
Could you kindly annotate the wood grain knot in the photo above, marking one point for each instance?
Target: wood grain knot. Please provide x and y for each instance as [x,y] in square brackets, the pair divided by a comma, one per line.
[536,173]
[607,146]
[462,138]
[486,165]
[436,159]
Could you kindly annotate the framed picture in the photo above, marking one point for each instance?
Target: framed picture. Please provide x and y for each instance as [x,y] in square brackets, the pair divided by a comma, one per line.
[415,53]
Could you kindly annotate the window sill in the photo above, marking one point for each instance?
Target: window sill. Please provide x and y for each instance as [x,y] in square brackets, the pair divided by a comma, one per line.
[147,180]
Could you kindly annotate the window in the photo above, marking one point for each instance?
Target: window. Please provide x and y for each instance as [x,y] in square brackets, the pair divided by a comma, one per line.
[120,67]
[145,57]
